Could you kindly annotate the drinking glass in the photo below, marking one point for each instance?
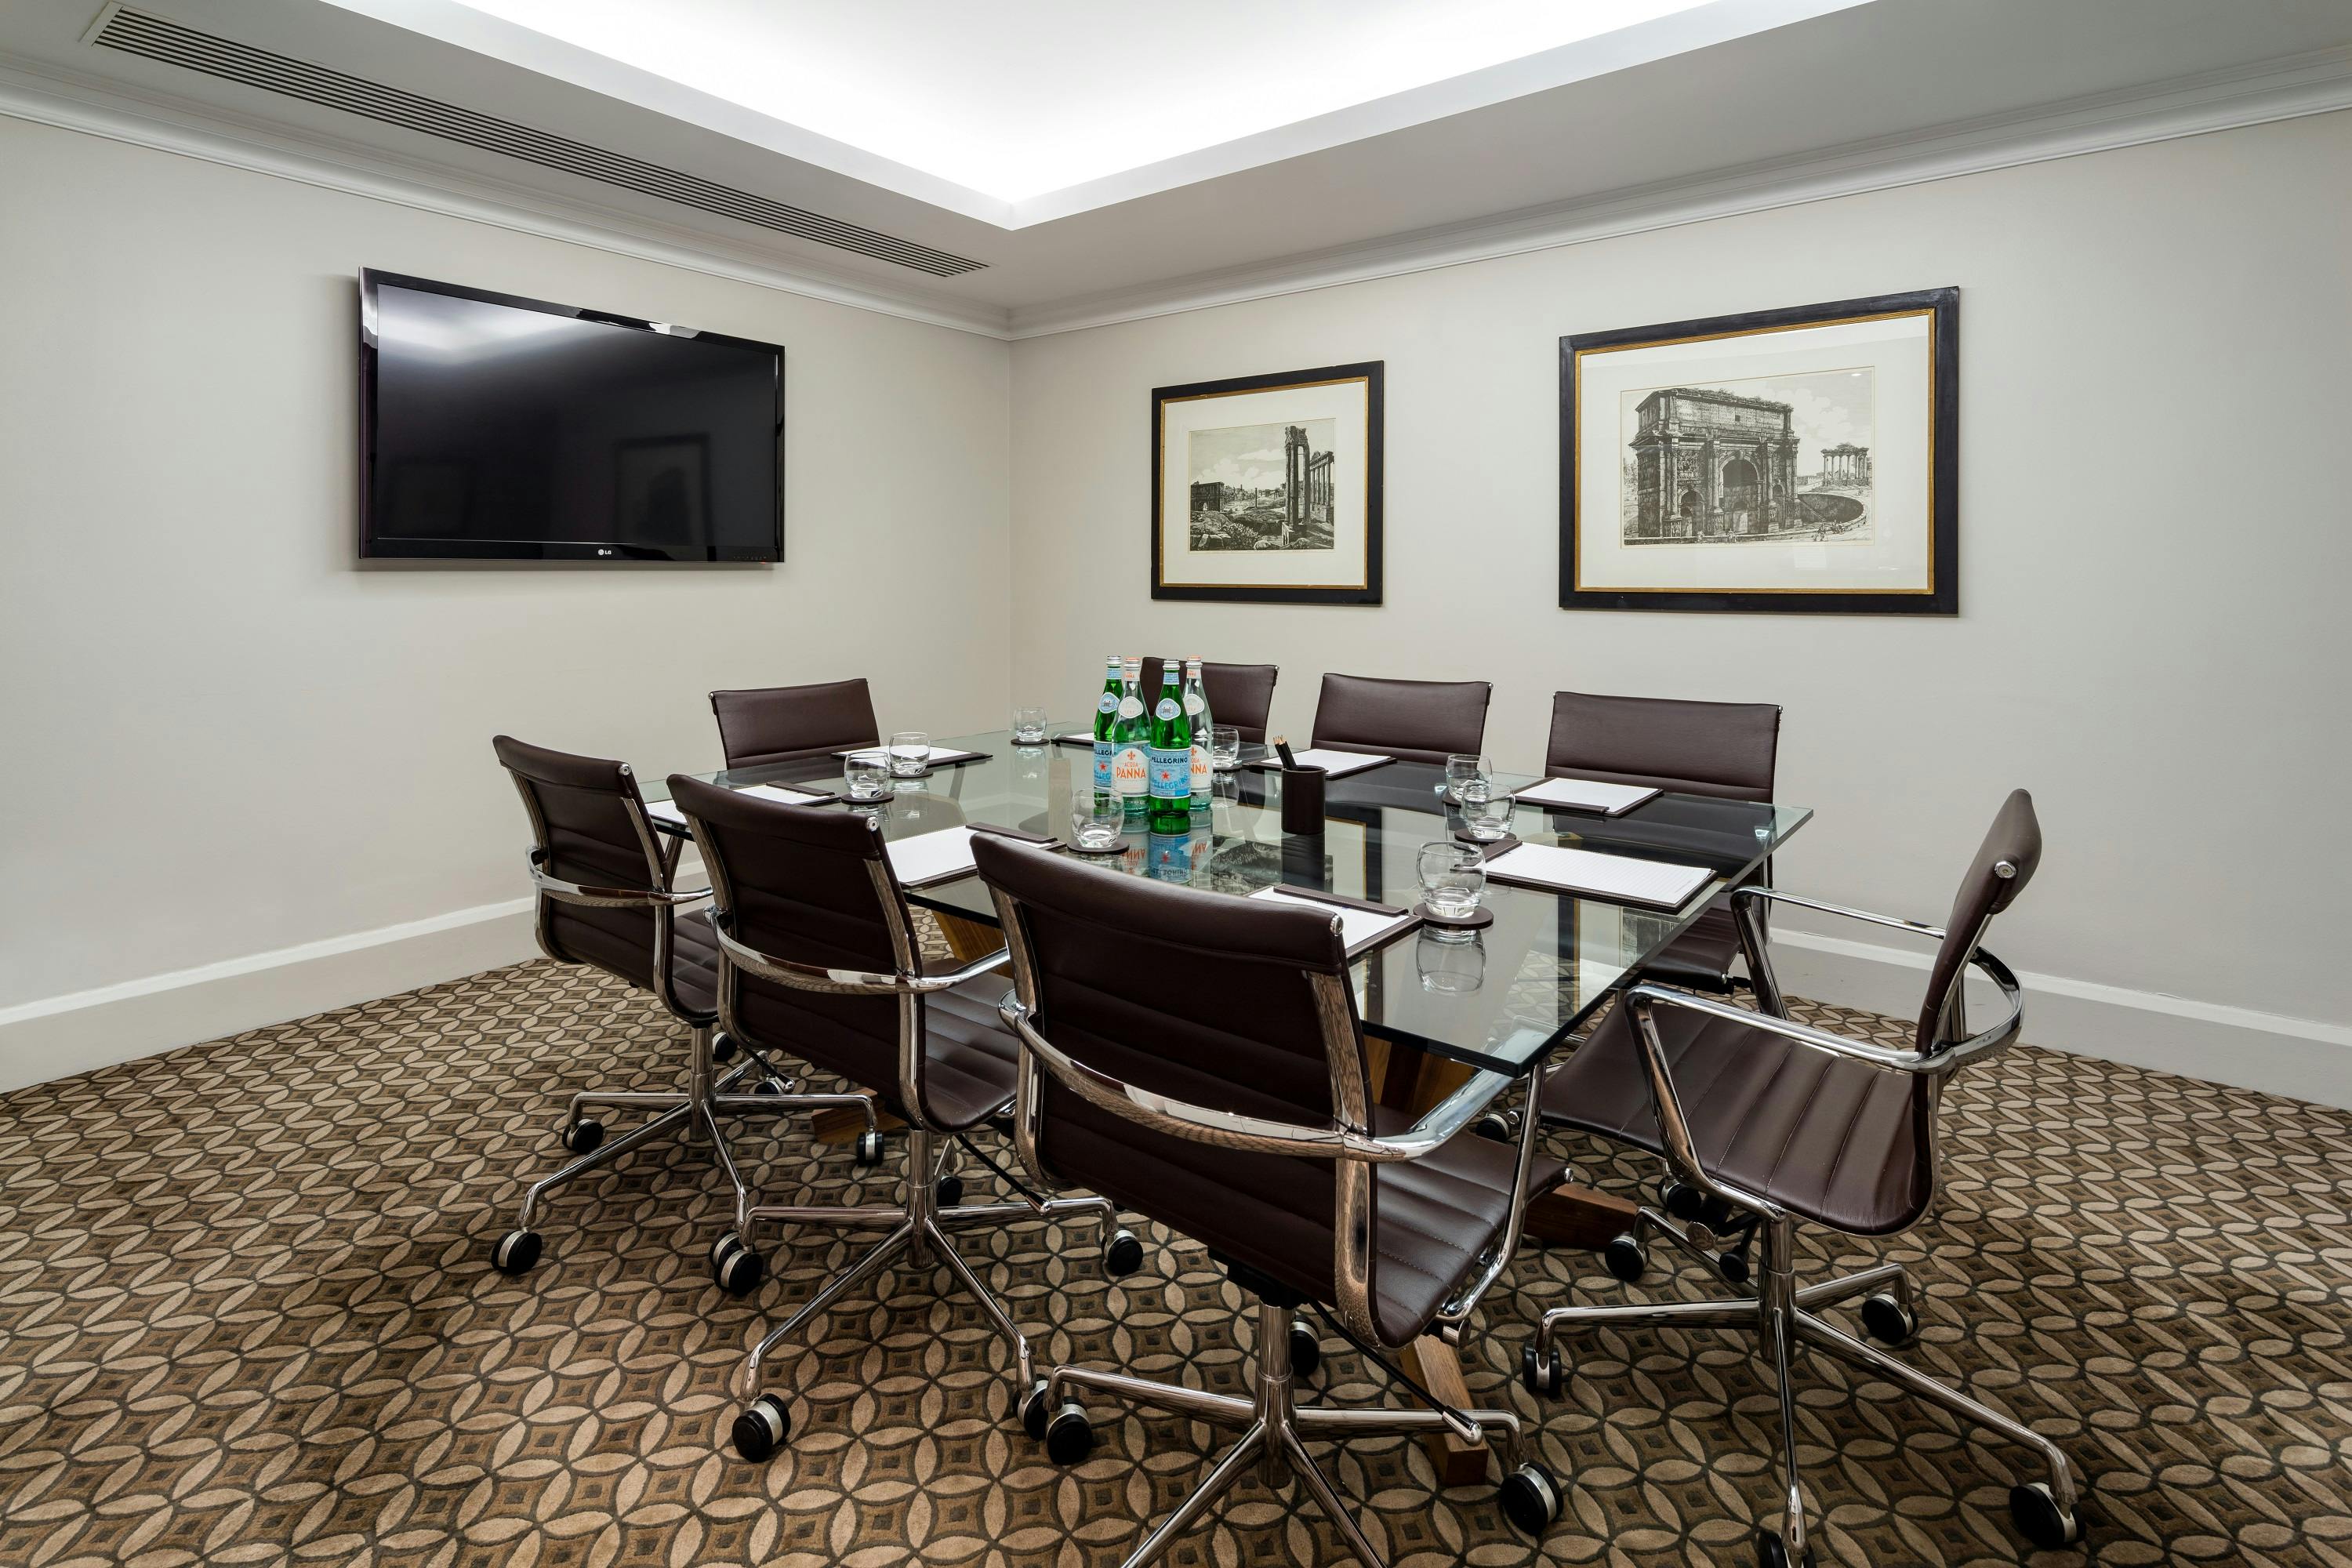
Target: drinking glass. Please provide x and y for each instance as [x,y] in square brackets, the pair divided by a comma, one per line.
[1452,878]
[1097,819]
[1485,816]
[1029,726]
[1450,963]
[869,777]
[1225,747]
[910,753]
[1461,767]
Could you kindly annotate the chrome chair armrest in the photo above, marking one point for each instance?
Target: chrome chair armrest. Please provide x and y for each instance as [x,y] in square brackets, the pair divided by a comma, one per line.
[844,982]
[1225,1129]
[1888,1058]
[1457,1306]
[608,898]
[1752,892]
[1441,1122]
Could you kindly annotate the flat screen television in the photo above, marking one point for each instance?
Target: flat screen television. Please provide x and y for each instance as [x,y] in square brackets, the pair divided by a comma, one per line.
[496,427]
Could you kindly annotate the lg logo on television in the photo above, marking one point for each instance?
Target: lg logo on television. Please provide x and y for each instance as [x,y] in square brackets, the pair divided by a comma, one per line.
[603,553]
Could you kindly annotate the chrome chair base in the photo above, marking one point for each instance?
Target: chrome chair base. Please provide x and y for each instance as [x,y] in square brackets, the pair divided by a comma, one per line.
[1275,1431]
[693,1111]
[920,1228]
[1784,1313]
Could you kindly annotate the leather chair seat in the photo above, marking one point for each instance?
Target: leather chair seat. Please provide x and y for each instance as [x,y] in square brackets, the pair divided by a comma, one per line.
[1700,958]
[694,961]
[975,1061]
[1835,1141]
[1434,1216]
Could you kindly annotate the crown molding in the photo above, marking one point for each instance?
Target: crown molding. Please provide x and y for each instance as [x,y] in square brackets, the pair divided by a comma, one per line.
[76,104]
[2316,83]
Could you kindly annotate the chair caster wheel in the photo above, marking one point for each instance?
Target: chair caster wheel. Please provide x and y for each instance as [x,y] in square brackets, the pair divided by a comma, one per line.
[584,1135]
[949,1192]
[868,1150]
[722,1048]
[1305,1351]
[1545,1376]
[2040,1520]
[1122,1253]
[1886,1319]
[1626,1257]
[1531,1499]
[1034,1415]
[763,1428]
[735,1268]
[517,1250]
[1771,1551]
[1069,1436]
[1733,1266]
[1499,1126]
[768,1086]
[1680,1199]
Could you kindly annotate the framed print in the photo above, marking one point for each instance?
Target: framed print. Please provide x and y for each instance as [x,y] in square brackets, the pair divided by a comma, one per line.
[1266,489]
[1801,460]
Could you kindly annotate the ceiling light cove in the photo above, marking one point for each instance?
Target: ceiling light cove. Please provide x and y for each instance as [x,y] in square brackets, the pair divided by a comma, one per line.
[1041,108]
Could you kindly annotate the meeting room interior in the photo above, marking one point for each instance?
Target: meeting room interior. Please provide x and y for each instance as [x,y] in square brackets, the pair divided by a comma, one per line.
[1069,784]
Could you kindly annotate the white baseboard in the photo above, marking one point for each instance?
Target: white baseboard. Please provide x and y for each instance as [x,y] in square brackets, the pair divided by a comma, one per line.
[65,1035]
[2237,1045]
[60,1035]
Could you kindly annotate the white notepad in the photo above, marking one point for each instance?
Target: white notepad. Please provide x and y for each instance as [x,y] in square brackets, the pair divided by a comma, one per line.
[882,753]
[787,794]
[1586,794]
[1338,765]
[1618,878]
[927,858]
[667,811]
[1359,928]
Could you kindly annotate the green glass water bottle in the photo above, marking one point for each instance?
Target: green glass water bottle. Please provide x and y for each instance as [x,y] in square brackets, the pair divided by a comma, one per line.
[1105,719]
[1171,754]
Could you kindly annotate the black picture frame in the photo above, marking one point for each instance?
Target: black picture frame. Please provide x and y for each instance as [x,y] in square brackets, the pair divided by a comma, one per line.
[1369,372]
[1942,595]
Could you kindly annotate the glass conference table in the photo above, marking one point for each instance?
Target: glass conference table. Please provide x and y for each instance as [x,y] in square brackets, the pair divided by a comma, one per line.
[1432,1009]
[1496,1000]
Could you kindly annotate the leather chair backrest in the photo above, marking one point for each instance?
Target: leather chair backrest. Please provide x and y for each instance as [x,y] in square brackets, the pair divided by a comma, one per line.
[1722,749]
[1204,999]
[1418,721]
[1239,694]
[2005,862]
[588,823]
[813,887]
[788,724]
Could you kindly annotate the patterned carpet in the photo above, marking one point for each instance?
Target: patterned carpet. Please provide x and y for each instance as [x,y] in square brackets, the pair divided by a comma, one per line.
[245,1317]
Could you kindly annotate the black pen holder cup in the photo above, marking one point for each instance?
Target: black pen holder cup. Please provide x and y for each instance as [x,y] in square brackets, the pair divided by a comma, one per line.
[1302,800]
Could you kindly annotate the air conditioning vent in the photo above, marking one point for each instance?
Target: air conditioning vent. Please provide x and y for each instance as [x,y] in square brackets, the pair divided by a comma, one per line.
[161,38]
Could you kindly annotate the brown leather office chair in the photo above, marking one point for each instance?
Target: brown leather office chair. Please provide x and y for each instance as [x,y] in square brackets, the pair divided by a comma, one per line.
[607,899]
[1198,1058]
[1239,694]
[1418,721]
[1782,1121]
[1722,749]
[771,724]
[816,950]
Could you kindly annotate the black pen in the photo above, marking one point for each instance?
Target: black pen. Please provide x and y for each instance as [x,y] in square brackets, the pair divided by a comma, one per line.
[1282,749]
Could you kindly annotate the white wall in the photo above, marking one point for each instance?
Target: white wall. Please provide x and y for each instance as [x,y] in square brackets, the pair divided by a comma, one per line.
[225,738]
[2156,563]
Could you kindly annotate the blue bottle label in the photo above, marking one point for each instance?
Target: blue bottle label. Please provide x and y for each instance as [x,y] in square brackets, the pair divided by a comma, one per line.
[1104,751]
[1172,774]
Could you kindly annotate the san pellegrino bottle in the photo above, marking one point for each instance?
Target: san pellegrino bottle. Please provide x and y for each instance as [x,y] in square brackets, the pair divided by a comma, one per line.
[1131,739]
[1196,711]
[1171,754]
[1105,719]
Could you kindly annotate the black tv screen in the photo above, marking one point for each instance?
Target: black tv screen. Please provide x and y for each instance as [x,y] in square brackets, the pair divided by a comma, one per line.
[493,427]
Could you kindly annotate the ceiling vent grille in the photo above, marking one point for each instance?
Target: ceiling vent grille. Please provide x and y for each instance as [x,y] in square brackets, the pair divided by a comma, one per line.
[160,38]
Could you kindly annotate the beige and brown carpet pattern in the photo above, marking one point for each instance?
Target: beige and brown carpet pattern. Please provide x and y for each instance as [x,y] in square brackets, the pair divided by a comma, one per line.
[245,1317]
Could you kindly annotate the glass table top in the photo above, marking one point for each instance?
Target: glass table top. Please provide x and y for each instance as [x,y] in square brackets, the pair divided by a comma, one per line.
[1497,998]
